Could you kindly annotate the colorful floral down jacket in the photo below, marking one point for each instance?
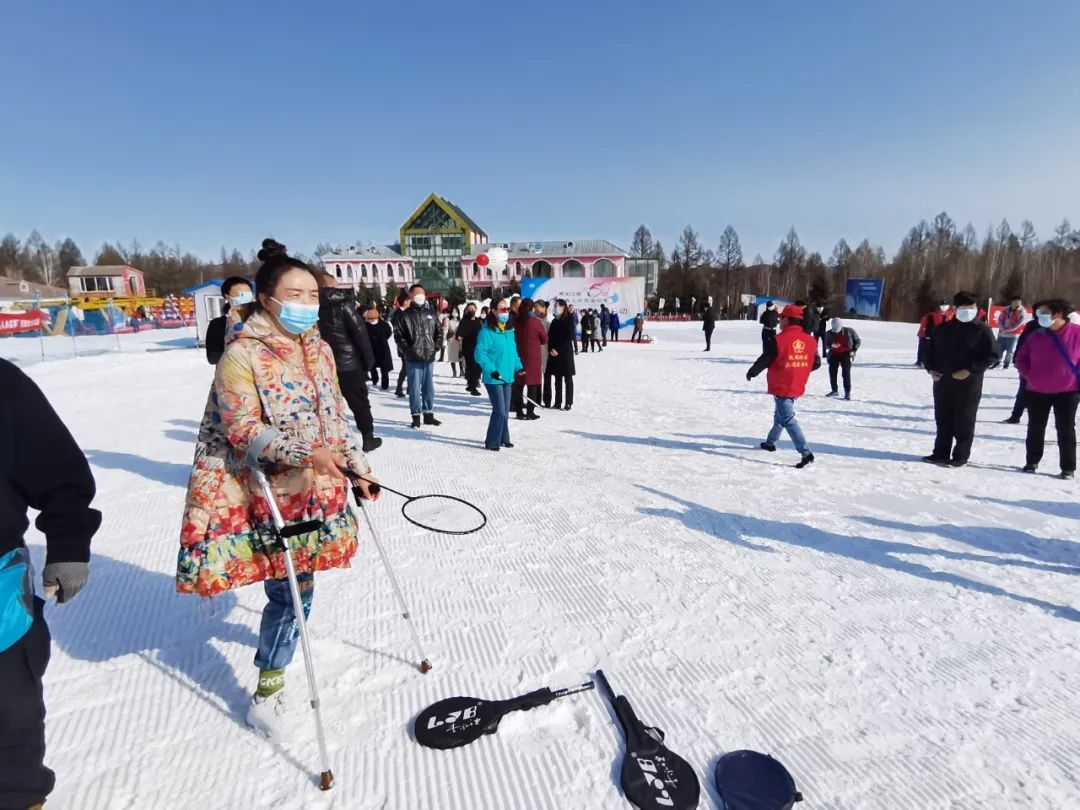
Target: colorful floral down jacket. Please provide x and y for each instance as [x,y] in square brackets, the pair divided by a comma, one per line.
[280,400]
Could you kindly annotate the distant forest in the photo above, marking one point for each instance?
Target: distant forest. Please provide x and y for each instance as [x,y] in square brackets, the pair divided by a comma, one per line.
[933,261]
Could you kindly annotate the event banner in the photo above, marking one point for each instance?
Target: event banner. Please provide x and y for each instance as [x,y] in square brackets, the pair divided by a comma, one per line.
[15,323]
[623,296]
[863,297]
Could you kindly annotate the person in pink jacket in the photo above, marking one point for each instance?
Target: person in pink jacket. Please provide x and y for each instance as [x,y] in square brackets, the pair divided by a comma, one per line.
[1049,362]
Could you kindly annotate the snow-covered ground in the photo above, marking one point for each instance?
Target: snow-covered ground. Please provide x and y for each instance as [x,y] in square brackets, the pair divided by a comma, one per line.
[901,636]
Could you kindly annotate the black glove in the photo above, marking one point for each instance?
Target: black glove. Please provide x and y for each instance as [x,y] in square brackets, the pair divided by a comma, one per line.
[496,376]
[65,579]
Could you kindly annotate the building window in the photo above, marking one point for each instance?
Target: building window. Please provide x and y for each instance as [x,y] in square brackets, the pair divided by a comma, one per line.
[453,243]
[401,271]
[517,269]
[363,271]
[602,268]
[420,242]
[475,270]
[337,270]
[541,269]
[573,269]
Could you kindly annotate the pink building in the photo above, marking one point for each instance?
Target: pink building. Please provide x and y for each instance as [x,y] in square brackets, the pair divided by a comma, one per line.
[106,280]
[369,266]
[591,258]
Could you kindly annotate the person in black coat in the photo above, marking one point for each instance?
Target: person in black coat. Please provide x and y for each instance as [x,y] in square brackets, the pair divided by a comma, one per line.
[560,366]
[708,318]
[341,327]
[770,321]
[237,292]
[467,332]
[1020,403]
[957,356]
[41,468]
[842,342]
[380,333]
[403,303]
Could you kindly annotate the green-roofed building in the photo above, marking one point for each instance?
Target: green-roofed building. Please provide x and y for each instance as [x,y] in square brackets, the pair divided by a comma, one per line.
[436,237]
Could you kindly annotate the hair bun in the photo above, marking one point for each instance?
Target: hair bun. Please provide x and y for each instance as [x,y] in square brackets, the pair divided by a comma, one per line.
[271,249]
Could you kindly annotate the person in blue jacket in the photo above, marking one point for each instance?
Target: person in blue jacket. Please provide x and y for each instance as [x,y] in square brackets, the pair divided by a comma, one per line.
[615,326]
[497,355]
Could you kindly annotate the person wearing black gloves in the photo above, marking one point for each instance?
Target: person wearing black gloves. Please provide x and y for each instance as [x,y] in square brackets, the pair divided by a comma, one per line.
[419,335]
[402,304]
[770,320]
[380,333]
[957,355]
[41,468]
[708,318]
[497,355]
[841,343]
[238,294]
[341,327]
[467,333]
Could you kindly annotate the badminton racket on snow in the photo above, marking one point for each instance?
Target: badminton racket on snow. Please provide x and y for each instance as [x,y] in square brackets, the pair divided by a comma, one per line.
[442,514]
[458,721]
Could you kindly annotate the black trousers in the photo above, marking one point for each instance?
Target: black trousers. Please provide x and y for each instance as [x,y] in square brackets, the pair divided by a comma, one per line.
[472,372]
[1020,403]
[576,345]
[768,336]
[517,398]
[548,378]
[603,334]
[354,389]
[401,377]
[956,405]
[837,362]
[24,779]
[639,334]
[559,378]
[384,374]
[708,339]
[597,344]
[1064,408]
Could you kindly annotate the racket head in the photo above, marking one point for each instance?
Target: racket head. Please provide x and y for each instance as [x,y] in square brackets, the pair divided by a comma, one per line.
[654,778]
[456,721]
[750,780]
[444,514]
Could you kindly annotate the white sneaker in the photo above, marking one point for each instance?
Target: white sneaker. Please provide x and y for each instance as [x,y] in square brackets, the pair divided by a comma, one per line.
[268,715]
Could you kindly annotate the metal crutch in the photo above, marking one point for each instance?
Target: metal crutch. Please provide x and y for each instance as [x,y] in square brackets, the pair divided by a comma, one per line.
[425,664]
[283,533]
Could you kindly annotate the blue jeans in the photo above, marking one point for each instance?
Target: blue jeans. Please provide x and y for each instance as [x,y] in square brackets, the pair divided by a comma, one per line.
[279,631]
[498,432]
[421,378]
[1007,345]
[784,419]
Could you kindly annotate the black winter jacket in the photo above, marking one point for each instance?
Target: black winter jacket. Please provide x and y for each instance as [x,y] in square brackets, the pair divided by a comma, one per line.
[380,334]
[957,346]
[770,319]
[561,339]
[469,330]
[215,339]
[340,325]
[811,321]
[42,468]
[418,333]
[708,321]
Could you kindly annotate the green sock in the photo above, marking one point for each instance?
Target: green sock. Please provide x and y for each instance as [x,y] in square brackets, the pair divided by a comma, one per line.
[270,681]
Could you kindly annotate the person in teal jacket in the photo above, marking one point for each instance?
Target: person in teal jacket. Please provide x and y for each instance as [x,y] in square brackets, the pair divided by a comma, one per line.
[497,356]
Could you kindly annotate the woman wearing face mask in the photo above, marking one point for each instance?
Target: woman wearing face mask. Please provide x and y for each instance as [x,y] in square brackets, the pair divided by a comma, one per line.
[275,402]
[468,332]
[1049,360]
[453,347]
[957,355]
[238,295]
[497,356]
[561,367]
[381,333]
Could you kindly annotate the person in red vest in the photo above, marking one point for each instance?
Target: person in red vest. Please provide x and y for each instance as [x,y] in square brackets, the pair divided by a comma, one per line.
[931,321]
[790,359]
[1010,323]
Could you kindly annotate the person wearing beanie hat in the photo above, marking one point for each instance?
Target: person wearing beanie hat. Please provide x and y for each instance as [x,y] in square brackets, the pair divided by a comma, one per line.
[770,320]
[789,358]
[957,355]
[841,343]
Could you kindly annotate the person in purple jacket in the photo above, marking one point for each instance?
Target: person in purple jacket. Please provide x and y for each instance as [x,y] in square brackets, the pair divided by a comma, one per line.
[1049,361]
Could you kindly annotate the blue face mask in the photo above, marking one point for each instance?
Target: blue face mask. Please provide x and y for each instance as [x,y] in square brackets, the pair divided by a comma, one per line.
[1045,319]
[504,317]
[297,318]
[966,314]
[240,299]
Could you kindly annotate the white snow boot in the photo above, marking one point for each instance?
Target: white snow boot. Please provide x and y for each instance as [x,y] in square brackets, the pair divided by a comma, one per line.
[269,715]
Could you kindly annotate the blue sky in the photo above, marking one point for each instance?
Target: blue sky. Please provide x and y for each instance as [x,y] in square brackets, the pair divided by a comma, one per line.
[217,123]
